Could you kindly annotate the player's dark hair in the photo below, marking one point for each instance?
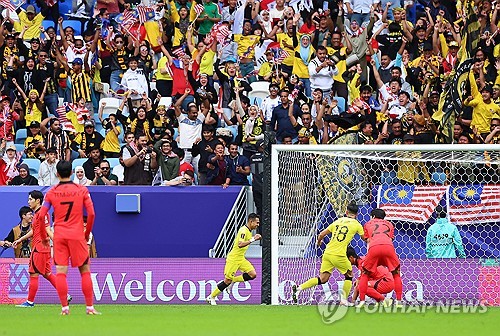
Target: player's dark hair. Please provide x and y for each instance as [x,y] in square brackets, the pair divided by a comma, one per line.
[64,168]
[37,195]
[253,216]
[351,252]
[24,210]
[353,208]
[378,213]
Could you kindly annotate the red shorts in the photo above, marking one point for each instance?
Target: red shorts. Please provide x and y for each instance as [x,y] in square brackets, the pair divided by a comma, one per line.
[381,255]
[40,263]
[76,249]
[383,286]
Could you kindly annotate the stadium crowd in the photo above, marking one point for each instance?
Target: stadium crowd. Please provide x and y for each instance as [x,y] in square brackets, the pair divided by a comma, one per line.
[181,92]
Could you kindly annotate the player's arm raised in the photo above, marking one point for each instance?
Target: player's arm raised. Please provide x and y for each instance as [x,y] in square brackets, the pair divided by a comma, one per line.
[322,235]
[243,243]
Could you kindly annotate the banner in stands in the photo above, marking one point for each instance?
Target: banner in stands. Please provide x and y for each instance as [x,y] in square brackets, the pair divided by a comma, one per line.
[136,281]
[190,281]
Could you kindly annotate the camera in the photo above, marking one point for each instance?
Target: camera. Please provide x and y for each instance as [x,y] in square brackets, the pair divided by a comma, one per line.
[149,150]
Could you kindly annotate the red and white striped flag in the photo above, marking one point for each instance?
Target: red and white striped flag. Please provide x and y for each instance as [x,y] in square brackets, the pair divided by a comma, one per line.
[8,5]
[409,202]
[474,204]
[179,52]
[65,123]
[198,8]
[128,18]
[82,113]
[222,33]
[144,13]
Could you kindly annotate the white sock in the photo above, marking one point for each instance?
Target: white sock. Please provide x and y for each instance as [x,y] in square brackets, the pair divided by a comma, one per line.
[90,307]
[30,302]
[65,308]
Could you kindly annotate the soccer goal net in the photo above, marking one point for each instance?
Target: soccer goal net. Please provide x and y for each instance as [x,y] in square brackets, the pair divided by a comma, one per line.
[416,186]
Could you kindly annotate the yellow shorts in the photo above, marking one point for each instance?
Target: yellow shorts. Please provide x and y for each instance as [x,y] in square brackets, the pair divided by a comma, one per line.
[233,266]
[329,262]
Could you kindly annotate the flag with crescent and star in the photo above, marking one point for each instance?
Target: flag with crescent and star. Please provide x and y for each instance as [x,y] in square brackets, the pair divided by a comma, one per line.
[409,202]
[474,204]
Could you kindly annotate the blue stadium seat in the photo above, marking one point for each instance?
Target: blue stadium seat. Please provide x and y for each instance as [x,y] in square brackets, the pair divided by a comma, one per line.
[47,23]
[21,135]
[78,162]
[341,103]
[34,165]
[76,25]
[113,162]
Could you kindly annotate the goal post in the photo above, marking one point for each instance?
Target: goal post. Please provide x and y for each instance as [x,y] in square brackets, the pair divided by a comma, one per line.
[311,186]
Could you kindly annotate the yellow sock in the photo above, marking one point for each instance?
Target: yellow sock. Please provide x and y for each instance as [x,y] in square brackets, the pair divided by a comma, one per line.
[309,283]
[346,289]
[215,292]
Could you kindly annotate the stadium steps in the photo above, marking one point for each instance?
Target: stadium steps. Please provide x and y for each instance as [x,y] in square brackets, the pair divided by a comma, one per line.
[254,251]
[292,246]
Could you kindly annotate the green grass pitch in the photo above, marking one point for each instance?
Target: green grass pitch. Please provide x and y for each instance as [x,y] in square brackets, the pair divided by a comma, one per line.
[236,320]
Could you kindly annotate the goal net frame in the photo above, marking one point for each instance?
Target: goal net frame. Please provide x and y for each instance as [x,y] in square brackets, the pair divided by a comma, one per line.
[447,149]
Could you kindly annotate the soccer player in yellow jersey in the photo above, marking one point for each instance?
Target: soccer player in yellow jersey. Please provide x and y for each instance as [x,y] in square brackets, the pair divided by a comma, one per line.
[236,258]
[342,230]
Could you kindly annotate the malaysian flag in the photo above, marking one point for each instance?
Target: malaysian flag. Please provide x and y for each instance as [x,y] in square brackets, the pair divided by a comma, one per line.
[279,54]
[179,52]
[409,202]
[127,18]
[474,204]
[198,8]
[8,5]
[65,123]
[221,33]
[145,13]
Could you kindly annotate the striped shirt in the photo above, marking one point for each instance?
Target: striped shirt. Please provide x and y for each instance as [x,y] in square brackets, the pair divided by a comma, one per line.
[80,86]
[59,141]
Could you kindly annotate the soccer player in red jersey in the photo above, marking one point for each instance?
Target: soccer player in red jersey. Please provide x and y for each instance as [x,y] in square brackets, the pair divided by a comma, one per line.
[40,257]
[379,234]
[70,237]
[380,282]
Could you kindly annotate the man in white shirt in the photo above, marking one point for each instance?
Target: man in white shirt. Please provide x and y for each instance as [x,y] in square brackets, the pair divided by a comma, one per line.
[359,10]
[270,102]
[321,72]
[134,80]
[47,173]
[276,13]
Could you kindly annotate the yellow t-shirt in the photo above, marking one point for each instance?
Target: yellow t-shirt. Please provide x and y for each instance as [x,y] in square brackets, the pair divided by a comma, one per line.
[162,63]
[343,230]
[283,37]
[482,113]
[207,62]
[265,69]
[33,26]
[237,253]
[34,115]
[111,142]
[246,45]
[341,65]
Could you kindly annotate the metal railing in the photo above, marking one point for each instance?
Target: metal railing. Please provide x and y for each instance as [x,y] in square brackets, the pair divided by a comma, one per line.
[236,218]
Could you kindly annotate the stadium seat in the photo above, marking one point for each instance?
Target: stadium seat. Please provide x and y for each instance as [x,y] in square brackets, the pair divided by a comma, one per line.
[152,86]
[259,90]
[34,165]
[76,25]
[47,23]
[176,133]
[21,135]
[61,101]
[113,162]
[78,162]
[166,101]
[112,104]
[340,104]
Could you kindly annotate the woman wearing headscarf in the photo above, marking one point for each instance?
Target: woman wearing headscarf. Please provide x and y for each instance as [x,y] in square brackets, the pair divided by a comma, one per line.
[304,53]
[80,177]
[24,177]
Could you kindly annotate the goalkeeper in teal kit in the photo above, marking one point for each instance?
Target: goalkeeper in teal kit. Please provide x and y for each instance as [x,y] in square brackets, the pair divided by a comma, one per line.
[443,240]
